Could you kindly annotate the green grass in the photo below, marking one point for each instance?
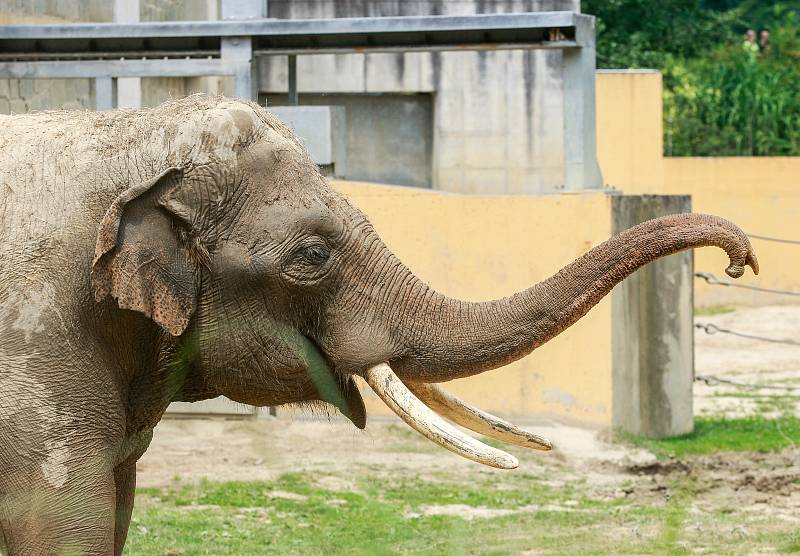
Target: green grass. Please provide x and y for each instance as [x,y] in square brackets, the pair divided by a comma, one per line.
[713,310]
[388,514]
[385,516]
[674,515]
[716,434]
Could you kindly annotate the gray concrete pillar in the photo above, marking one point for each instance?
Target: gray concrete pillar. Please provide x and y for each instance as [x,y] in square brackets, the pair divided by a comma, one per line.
[581,170]
[129,89]
[105,93]
[652,336]
[239,50]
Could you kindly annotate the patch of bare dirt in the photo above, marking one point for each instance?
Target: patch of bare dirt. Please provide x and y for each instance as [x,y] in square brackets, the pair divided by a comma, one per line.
[768,482]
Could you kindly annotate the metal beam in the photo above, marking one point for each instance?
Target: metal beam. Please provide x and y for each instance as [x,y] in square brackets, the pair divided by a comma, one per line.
[308,35]
[129,89]
[116,68]
[238,50]
[291,77]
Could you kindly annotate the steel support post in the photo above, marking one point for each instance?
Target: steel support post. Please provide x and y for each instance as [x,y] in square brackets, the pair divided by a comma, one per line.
[581,170]
[129,89]
[291,75]
[238,51]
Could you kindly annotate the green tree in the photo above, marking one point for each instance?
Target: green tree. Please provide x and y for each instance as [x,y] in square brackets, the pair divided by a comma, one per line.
[718,98]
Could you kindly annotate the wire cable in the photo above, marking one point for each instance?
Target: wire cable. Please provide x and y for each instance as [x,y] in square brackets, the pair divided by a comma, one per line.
[776,239]
[712,380]
[709,328]
[714,281]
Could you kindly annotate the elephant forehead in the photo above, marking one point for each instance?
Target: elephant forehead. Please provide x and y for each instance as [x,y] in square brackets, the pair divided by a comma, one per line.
[283,220]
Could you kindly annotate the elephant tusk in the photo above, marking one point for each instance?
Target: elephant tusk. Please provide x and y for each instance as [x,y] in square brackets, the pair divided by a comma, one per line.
[468,416]
[421,418]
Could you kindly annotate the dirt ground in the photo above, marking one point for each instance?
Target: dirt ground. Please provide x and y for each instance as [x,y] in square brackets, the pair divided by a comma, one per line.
[776,366]
[766,484]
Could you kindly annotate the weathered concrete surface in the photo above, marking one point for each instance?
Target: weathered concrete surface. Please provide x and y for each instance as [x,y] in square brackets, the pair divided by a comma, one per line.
[25,95]
[322,131]
[498,116]
[652,334]
[389,137]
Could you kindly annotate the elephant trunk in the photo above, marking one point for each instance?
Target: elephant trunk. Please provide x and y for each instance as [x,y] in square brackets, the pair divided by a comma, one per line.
[441,339]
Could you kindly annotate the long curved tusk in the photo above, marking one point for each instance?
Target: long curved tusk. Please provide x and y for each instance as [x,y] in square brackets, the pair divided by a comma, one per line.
[418,416]
[468,416]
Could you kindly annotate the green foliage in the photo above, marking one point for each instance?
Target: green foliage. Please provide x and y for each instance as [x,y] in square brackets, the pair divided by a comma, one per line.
[715,434]
[734,102]
[719,98]
[645,34]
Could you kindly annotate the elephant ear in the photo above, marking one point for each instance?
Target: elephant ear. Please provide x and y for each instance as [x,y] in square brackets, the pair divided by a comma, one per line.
[140,258]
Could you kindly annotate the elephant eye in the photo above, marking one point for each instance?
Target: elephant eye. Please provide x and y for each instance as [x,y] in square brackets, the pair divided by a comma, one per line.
[316,254]
[309,261]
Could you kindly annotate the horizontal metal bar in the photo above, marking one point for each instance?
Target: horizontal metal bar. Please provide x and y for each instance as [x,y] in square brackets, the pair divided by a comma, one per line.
[215,54]
[555,45]
[295,27]
[94,55]
[116,68]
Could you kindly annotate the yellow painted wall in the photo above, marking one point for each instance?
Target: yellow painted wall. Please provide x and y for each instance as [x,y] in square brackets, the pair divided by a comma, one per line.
[629,130]
[479,247]
[760,194]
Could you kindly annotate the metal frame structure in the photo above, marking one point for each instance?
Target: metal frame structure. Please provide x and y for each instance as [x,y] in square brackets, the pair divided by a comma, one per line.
[106,52]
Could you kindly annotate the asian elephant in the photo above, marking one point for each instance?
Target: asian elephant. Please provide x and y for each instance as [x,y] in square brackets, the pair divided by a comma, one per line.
[194,250]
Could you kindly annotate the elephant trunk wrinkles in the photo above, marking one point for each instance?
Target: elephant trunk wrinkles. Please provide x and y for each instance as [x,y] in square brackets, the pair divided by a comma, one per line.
[448,338]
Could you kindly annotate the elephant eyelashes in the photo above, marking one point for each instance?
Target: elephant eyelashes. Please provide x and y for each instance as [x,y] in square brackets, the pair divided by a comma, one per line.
[315,254]
[309,260]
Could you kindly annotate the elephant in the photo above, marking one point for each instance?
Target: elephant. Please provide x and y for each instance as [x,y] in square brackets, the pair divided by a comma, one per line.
[194,250]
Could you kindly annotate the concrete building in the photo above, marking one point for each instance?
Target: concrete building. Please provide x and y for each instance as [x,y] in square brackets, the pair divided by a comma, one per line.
[471,122]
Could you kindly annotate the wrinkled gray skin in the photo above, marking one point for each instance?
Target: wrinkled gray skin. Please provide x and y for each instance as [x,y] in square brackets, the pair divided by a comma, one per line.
[193,251]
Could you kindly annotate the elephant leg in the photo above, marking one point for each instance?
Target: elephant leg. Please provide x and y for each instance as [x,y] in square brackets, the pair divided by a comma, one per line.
[73,517]
[125,480]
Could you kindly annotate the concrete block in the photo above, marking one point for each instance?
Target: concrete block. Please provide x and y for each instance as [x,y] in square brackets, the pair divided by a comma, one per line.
[652,333]
[322,130]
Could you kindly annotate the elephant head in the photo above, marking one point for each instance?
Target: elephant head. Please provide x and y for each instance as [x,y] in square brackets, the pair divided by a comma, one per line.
[277,290]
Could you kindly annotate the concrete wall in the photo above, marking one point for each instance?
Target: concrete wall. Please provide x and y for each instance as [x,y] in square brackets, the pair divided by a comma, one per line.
[498,125]
[760,194]
[629,130]
[24,95]
[389,137]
